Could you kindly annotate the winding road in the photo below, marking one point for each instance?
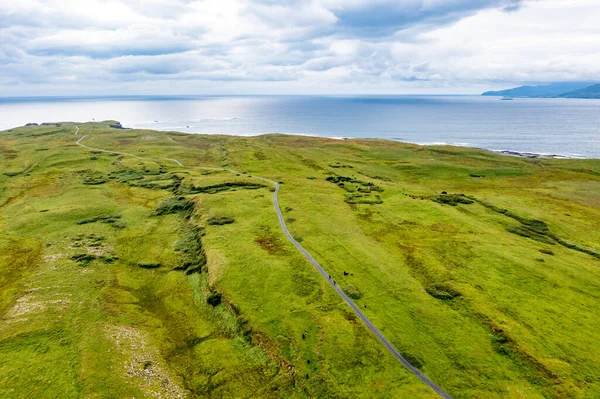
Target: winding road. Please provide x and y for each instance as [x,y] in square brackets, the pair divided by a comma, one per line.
[309,257]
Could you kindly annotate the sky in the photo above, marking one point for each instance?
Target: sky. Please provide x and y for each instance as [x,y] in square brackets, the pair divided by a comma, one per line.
[111,47]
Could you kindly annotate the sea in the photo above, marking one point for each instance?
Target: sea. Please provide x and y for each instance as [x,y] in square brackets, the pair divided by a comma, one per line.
[564,127]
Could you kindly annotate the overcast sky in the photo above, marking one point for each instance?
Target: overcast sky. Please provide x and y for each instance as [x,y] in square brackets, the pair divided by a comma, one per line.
[87,47]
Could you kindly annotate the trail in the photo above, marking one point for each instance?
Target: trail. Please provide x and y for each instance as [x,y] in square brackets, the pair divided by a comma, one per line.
[309,257]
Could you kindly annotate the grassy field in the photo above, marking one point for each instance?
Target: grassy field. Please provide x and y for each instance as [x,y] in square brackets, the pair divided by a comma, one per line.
[127,277]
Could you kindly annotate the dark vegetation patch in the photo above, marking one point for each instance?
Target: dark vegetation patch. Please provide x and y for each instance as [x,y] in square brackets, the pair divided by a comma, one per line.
[83,259]
[42,149]
[340,165]
[537,230]
[126,175]
[479,175]
[412,359]
[214,299]
[217,188]
[452,199]
[157,179]
[113,220]
[174,205]
[504,344]
[92,177]
[311,164]
[527,232]
[352,291]
[87,240]
[546,251]
[358,191]
[362,199]
[189,246]
[269,241]
[12,173]
[442,291]
[149,265]
[220,220]
[86,259]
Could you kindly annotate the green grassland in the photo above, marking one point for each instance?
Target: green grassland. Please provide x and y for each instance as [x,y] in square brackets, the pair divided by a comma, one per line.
[125,276]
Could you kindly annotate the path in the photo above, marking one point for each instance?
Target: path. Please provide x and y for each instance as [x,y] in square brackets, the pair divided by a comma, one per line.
[312,260]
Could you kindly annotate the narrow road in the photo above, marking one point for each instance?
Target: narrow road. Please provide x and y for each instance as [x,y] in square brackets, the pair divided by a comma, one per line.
[312,260]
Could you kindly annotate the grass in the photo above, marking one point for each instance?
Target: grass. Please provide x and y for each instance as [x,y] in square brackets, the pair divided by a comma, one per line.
[455,282]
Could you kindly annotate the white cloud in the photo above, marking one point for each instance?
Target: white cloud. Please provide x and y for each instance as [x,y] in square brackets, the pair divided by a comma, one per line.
[191,46]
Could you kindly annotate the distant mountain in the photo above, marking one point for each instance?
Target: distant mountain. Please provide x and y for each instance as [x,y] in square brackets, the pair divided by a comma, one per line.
[592,91]
[549,90]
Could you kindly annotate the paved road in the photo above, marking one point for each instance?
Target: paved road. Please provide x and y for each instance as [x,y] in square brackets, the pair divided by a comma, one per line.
[312,260]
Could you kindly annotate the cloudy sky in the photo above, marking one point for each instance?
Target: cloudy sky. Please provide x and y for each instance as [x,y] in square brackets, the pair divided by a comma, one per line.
[87,47]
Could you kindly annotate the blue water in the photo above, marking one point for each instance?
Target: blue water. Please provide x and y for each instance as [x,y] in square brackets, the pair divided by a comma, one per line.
[550,126]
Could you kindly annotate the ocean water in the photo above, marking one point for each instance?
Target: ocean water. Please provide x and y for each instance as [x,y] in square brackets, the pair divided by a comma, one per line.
[569,127]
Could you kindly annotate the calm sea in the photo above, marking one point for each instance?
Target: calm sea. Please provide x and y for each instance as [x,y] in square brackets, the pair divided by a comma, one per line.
[568,127]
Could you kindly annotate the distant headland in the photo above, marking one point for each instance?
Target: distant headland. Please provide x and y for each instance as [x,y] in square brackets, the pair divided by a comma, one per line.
[552,90]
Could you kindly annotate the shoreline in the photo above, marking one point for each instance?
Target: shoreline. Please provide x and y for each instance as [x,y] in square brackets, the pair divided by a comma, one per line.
[510,153]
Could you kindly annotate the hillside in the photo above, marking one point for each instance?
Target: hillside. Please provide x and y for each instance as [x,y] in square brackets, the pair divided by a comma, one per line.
[141,266]
[587,92]
[547,90]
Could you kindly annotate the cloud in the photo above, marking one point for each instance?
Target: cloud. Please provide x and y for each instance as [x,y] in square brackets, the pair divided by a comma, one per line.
[292,45]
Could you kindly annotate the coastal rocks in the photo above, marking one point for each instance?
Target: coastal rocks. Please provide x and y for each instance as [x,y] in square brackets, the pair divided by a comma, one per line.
[530,155]
[117,125]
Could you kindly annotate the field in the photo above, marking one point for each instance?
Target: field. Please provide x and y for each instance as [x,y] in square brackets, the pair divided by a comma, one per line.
[133,276]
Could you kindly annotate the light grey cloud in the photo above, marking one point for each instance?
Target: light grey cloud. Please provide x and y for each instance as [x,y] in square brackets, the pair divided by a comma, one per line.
[293,45]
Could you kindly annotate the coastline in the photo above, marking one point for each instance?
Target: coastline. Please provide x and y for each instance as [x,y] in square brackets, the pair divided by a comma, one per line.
[512,153]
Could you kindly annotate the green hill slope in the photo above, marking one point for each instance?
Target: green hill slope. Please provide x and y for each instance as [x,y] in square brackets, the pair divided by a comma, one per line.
[125,276]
